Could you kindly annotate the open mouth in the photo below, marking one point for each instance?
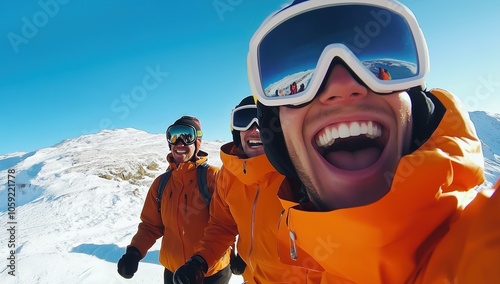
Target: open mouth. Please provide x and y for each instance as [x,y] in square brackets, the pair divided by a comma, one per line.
[254,143]
[354,145]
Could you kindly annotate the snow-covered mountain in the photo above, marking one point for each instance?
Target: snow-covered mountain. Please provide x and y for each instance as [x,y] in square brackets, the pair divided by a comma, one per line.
[283,86]
[488,129]
[78,203]
[78,206]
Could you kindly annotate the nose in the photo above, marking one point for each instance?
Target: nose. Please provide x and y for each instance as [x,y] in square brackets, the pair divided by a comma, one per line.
[254,128]
[341,87]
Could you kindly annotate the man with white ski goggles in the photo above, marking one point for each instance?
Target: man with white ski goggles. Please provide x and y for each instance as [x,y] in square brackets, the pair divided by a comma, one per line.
[379,40]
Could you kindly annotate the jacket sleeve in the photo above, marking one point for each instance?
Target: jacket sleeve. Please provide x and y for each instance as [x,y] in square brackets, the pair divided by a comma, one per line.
[481,257]
[151,227]
[221,231]
[470,251]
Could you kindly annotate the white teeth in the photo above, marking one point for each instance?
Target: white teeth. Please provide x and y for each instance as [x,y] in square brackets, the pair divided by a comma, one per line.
[355,129]
[343,131]
[369,128]
[349,129]
[254,143]
[363,128]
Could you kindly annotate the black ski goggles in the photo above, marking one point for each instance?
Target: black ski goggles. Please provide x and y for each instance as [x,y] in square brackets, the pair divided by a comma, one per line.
[243,117]
[379,40]
[187,133]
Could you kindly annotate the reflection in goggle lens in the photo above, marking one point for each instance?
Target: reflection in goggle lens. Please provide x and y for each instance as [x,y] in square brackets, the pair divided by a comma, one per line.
[184,132]
[380,39]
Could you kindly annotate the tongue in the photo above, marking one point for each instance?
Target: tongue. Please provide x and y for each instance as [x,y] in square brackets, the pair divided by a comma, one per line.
[354,161]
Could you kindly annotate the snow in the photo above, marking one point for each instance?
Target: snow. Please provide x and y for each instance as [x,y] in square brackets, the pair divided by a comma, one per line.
[488,129]
[78,203]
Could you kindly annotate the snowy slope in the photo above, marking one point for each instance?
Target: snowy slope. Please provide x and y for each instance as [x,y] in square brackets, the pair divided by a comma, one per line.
[488,130]
[78,203]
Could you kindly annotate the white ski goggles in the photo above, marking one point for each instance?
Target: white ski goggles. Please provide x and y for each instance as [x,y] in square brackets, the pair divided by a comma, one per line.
[243,117]
[291,52]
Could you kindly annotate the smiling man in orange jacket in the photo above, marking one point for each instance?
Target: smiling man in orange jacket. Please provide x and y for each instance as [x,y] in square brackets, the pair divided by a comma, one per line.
[381,175]
[182,214]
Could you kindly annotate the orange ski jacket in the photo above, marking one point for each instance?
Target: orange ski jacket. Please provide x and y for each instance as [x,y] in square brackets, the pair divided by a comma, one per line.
[419,231]
[183,218]
[246,203]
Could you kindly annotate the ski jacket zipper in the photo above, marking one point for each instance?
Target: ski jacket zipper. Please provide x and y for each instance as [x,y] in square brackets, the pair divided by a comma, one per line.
[252,228]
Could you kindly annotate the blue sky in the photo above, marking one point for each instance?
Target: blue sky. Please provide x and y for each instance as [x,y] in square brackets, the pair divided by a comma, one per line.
[71,67]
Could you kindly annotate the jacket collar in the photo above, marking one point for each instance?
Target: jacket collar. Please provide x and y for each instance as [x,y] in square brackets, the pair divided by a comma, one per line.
[247,170]
[201,157]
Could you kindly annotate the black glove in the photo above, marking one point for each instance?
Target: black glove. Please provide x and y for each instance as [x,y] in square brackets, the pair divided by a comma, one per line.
[237,265]
[192,272]
[127,265]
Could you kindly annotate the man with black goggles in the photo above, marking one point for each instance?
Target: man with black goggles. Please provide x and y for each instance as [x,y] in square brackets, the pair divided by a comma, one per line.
[181,214]
[246,205]
[377,168]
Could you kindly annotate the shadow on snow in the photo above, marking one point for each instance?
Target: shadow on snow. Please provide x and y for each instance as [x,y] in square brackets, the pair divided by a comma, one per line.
[112,252]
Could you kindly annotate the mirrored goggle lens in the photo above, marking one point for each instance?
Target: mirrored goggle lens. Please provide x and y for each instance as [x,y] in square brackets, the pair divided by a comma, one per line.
[380,39]
[243,117]
[186,133]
